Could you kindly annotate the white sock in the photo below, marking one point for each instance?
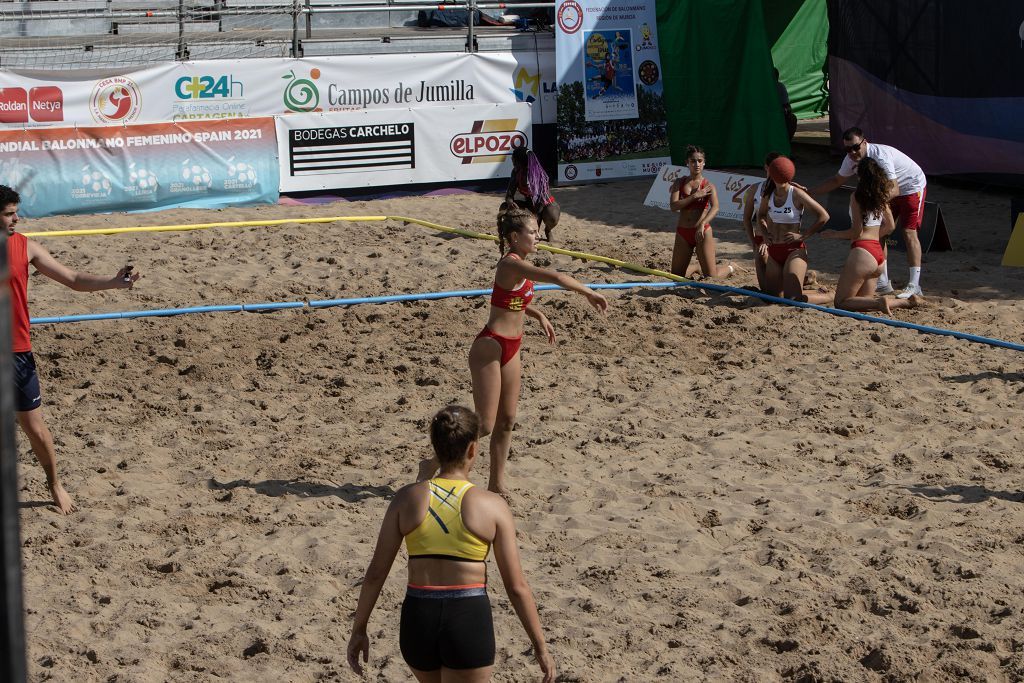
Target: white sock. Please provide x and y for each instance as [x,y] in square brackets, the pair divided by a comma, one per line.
[883,279]
[915,277]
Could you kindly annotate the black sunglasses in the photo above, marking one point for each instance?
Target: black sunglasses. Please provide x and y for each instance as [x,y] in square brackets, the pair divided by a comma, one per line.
[854,148]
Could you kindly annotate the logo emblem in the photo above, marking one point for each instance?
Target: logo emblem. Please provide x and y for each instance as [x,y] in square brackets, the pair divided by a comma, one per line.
[570,16]
[645,39]
[141,182]
[526,86]
[208,87]
[44,103]
[570,172]
[488,142]
[301,94]
[13,105]
[115,100]
[649,72]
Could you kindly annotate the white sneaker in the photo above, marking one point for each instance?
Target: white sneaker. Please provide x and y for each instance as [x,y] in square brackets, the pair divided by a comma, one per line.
[884,288]
[911,290]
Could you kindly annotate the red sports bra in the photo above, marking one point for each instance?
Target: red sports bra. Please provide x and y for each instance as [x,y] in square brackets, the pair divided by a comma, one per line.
[701,203]
[512,299]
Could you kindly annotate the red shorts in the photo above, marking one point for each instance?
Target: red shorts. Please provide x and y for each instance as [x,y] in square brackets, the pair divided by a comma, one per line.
[509,346]
[780,252]
[690,234]
[873,247]
[908,209]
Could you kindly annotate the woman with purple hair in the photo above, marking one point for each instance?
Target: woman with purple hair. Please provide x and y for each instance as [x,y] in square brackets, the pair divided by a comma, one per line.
[530,179]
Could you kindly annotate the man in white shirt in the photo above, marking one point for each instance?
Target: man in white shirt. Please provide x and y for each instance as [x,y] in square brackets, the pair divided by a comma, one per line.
[906,198]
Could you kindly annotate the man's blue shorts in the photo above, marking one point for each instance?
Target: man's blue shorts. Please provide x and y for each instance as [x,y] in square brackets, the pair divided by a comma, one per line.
[26,383]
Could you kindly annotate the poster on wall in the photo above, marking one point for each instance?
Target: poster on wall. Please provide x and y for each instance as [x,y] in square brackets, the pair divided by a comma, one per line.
[204,164]
[608,64]
[611,108]
[400,146]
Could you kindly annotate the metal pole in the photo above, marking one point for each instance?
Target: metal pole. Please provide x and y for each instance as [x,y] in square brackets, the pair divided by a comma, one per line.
[12,628]
[296,10]
[470,38]
[309,20]
[182,51]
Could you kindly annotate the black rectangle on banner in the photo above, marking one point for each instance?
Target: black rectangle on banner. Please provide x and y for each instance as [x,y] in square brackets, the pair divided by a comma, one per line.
[357,149]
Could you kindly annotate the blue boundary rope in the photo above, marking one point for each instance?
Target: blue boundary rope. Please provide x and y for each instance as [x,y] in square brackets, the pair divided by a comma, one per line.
[428,296]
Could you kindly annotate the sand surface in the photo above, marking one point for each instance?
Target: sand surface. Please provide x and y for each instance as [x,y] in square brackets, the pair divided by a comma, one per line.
[705,489]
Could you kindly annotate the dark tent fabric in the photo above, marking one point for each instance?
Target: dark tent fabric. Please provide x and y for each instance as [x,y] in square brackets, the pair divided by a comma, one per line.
[798,33]
[719,88]
[941,81]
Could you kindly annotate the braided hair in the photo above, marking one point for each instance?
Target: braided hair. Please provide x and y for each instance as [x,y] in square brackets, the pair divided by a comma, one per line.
[525,163]
[513,219]
[451,432]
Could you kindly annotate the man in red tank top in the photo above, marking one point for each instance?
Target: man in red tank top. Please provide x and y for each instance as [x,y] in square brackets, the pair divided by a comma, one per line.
[22,251]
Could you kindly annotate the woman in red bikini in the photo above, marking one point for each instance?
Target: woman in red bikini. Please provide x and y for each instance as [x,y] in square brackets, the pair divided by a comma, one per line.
[696,200]
[870,220]
[494,357]
[779,221]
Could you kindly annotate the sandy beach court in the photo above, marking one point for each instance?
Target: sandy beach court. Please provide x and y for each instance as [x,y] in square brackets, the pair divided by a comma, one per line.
[705,489]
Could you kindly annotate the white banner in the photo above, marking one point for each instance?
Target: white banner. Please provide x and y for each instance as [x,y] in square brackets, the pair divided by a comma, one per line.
[178,91]
[611,121]
[400,146]
[731,188]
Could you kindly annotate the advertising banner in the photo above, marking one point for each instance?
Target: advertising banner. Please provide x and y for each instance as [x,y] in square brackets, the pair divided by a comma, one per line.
[611,110]
[730,186]
[400,146]
[205,164]
[219,89]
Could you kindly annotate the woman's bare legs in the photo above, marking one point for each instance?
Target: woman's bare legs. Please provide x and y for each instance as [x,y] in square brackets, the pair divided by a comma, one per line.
[793,281]
[706,257]
[495,399]
[444,675]
[549,216]
[856,288]
[772,277]
[682,252]
[761,268]
[505,421]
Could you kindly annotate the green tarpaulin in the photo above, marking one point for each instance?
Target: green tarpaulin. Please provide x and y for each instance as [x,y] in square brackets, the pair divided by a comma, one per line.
[798,33]
[720,90]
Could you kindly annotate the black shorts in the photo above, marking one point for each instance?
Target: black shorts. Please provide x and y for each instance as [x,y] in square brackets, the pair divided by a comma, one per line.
[26,383]
[451,629]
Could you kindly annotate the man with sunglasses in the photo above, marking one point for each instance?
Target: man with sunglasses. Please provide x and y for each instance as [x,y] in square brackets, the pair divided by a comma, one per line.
[906,198]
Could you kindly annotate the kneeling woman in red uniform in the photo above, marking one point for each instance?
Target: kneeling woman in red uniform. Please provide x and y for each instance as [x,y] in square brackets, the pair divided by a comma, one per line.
[696,200]
[779,218]
[446,631]
[531,180]
[870,220]
[494,357]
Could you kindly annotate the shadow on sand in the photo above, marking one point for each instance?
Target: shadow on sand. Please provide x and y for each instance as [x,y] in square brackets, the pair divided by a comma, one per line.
[274,488]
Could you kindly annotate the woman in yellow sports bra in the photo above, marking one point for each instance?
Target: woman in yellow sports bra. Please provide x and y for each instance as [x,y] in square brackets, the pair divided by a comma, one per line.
[449,525]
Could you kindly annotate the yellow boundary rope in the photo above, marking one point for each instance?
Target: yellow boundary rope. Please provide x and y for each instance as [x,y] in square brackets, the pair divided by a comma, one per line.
[626,265]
